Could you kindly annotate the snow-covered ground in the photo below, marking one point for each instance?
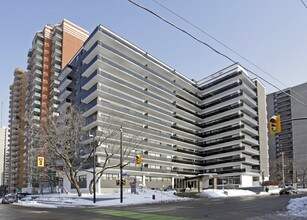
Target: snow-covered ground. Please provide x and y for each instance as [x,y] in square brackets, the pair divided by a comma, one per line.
[296,207]
[113,199]
[217,193]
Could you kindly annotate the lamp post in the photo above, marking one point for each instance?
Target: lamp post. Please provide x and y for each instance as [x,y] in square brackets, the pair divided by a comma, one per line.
[121,165]
[94,169]
[283,169]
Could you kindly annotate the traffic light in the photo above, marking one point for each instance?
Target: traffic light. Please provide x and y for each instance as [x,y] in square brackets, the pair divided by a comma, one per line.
[138,159]
[123,182]
[40,161]
[275,126]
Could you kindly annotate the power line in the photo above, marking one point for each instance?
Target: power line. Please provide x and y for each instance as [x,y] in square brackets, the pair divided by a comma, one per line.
[304,3]
[216,51]
[229,48]
[182,30]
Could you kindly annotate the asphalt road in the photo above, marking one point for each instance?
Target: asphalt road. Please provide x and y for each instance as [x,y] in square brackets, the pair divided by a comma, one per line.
[253,208]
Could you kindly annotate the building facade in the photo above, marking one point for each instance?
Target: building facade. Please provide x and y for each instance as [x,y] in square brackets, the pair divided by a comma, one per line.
[3,149]
[291,141]
[196,133]
[52,48]
[15,151]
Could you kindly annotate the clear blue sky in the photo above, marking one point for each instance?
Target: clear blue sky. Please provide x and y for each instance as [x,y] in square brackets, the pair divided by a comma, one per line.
[273,34]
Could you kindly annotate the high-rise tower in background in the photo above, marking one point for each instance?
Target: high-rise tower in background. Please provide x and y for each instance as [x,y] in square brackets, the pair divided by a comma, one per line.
[52,48]
[14,155]
[3,150]
[292,138]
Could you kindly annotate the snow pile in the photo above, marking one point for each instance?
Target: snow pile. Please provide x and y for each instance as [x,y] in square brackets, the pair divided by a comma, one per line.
[217,193]
[113,199]
[270,192]
[297,207]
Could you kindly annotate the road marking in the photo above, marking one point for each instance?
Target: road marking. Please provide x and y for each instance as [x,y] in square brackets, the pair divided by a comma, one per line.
[135,215]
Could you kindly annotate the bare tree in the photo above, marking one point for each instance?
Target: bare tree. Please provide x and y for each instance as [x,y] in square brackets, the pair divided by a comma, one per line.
[69,148]
[280,171]
[302,175]
[62,141]
[107,143]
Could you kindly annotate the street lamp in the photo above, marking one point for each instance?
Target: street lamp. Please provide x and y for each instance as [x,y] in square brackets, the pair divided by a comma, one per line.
[121,165]
[94,168]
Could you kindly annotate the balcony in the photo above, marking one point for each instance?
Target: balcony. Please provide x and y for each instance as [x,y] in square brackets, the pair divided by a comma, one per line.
[57,52]
[54,106]
[37,88]
[64,94]
[37,81]
[64,105]
[65,72]
[249,120]
[37,110]
[251,131]
[248,100]
[57,36]
[249,140]
[38,73]
[55,83]
[36,96]
[38,66]
[35,118]
[58,44]
[36,103]
[56,68]
[40,43]
[55,76]
[55,100]
[55,91]
[65,82]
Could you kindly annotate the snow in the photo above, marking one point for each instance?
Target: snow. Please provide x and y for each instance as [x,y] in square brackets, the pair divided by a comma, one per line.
[296,207]
[217,193]
[86,200]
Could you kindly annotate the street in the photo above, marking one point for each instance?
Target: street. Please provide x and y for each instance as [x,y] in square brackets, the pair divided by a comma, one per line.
[265,207]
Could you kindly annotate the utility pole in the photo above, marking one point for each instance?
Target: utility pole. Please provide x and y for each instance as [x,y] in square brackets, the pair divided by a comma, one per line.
[94,168]
[121,164]
[283,168]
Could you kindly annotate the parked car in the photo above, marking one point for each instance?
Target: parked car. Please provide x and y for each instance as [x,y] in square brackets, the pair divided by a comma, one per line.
[9,198]
[21,195]
[288,191]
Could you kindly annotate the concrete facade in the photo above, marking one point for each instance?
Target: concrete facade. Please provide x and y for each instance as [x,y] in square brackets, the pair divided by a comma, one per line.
[214,127]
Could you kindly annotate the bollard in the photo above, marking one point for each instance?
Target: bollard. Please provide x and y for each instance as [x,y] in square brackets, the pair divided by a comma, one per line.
[153,197]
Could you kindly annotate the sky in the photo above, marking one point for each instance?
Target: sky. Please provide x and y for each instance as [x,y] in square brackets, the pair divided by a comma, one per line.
[271,34]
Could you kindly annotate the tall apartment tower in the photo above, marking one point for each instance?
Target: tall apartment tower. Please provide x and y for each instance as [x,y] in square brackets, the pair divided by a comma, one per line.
[196,133]
[3,148]
[15,152]
[52,48]
[292,138]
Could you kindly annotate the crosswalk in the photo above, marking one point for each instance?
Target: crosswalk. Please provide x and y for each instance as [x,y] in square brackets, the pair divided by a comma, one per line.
[144,215]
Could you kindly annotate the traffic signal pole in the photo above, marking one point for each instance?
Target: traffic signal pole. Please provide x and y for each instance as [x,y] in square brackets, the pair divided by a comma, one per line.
[121,165]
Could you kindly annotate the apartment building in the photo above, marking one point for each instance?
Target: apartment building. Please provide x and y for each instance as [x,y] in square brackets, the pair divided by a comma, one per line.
[292,138]
[3,148]
[52,48]
[196,133]
[14,154]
